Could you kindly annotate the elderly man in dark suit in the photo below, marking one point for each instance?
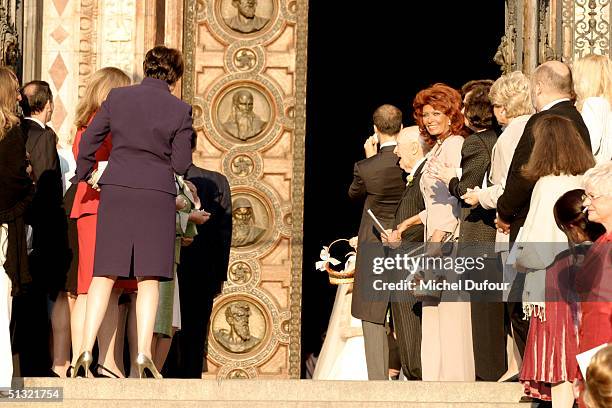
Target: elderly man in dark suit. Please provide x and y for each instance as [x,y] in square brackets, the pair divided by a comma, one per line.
[405,309]
[201,273]
[552,93]
[379,180]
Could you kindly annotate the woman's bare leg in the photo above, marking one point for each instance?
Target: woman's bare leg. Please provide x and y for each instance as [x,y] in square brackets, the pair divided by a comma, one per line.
[107,336]
[97,302]
[132,334]
[146,309]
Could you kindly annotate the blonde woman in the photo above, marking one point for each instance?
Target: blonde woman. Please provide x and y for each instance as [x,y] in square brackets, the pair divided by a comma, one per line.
[15,195]
[593,86]
[598,393]
[85,210]
[511,98]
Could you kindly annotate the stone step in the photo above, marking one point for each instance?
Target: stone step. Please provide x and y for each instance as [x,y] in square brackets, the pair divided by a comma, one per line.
[173,393]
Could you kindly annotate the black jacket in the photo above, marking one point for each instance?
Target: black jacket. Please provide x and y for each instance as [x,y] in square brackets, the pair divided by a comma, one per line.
[513,205]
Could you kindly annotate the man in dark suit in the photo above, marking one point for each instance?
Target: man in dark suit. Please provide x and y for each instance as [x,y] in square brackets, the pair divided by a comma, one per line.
[50,254]
[201,273]
[379,180]
[405,308]
[552,93]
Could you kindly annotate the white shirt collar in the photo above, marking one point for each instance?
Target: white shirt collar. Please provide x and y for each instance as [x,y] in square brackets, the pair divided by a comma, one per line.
[412,173]
[389,143]
[553,103]
[42,125]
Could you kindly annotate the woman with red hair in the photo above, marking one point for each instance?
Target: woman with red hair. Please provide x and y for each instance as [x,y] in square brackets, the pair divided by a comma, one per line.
[446,346]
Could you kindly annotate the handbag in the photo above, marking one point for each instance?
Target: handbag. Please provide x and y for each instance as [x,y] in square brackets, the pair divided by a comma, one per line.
[447,248]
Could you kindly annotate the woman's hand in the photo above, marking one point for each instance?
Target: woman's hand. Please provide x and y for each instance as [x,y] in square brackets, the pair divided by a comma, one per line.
[471,197]
[440,171]
[180,203]
[194,191]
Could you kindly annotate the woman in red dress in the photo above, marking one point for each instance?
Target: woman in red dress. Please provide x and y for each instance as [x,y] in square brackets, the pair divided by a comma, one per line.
[85,210]
[594,280]
[552,343]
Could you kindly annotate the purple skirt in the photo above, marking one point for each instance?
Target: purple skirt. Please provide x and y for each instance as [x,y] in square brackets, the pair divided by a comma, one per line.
[135,233]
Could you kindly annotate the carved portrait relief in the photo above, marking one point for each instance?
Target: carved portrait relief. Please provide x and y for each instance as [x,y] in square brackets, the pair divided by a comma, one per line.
[244,113]
[239,326]
[249,221]
[247,16]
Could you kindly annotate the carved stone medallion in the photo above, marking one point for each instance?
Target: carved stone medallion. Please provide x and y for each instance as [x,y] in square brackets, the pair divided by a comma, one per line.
[243,114]
[250,221]
[245,59]
[242,166]
[240,273]
[247,16]
[239,326]
[237,375]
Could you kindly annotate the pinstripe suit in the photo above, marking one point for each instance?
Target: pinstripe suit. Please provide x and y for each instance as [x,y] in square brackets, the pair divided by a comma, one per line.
[406,310]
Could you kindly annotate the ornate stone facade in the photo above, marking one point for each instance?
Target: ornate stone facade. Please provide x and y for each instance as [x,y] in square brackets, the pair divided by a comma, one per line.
[82,36]
[245,76]
[542,30]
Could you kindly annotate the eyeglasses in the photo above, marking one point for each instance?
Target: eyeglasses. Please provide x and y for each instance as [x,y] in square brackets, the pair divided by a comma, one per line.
[593,197]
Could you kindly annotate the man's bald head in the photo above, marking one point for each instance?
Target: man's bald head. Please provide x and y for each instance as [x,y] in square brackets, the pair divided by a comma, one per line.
[410,148]
[549,82]
[556,77]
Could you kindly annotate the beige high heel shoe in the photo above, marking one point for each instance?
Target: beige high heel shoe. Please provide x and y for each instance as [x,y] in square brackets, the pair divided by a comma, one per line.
[142,362]
[84,361]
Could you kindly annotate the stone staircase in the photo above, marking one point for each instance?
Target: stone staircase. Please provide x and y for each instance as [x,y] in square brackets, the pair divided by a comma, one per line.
[173,393]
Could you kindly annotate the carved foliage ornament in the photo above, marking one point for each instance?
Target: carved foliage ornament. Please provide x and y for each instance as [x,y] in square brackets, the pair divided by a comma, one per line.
[9,43]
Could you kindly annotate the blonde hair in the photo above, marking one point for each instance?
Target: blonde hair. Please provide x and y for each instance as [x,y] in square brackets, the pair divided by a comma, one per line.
[100,84]
[592,77]
[513,92]
[598,391]
[9,86]
[598,180]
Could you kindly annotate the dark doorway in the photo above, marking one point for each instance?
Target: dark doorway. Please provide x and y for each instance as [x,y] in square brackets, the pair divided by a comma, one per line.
[361,55]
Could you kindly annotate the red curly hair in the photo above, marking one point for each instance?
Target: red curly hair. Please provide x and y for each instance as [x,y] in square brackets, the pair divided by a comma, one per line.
[444,99]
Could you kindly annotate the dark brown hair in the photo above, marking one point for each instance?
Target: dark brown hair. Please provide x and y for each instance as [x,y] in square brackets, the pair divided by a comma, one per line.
[388,119]
[470,85]
[557,149]
[569,213]
[477,108]
[163,63]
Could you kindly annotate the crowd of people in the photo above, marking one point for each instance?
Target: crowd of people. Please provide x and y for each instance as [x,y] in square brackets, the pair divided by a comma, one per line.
[105,240]
[522,167]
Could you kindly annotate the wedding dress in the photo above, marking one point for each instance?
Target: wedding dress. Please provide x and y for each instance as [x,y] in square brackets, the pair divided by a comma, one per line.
[342,356]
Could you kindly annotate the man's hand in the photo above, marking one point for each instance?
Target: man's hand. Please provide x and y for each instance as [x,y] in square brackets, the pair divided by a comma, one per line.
[371,146]
[354,241]
[199,217]
[392,238]
[502,226]
[471,197]
[186,241]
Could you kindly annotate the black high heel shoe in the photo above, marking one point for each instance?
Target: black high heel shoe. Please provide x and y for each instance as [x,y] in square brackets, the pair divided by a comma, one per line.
[84,361]
[100,367]
[142,362]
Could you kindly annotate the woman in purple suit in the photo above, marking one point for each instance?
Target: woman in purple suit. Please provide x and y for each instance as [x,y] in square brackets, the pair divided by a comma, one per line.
[152,131]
